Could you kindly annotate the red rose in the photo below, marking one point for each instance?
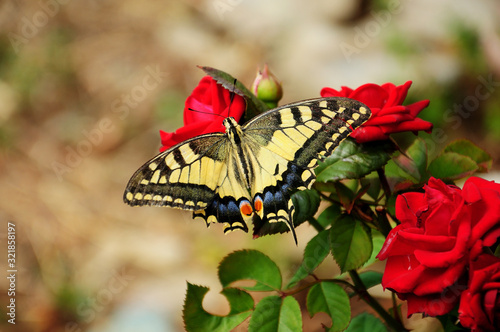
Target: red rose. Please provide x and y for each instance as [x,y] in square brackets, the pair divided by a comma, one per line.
[388,114]
[204,111]
[440,231]
[480,304]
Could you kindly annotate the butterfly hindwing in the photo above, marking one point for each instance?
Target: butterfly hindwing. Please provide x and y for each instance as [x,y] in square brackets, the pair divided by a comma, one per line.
[249,173]
[291,138]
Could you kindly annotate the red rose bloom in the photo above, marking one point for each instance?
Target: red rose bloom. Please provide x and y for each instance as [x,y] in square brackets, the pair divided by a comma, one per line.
[480,304]
[440,231]
[209,103]
[388,114]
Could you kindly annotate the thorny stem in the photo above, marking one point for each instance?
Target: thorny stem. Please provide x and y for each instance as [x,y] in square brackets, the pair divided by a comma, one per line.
[395,307]
[383,222]
[365,296]
[317,226]
[317,281]
[384,182]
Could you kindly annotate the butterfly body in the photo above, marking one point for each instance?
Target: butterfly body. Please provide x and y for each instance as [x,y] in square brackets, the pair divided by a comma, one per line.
[248,173]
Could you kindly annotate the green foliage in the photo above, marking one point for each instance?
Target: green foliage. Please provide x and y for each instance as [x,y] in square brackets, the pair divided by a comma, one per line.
[332,299]
[353,161]
[414,161]
[274,313]
[360,183]
[459,159]
[452,166]
[316,251]
[371,278]
[366,323]
[250,265]
[197,319]
[306,203]
[255,106]
[467,148]
[329,215]
[350,242]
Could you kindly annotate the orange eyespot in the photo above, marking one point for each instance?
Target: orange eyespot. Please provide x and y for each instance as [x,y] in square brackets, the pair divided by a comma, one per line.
[257,204]
[246,208]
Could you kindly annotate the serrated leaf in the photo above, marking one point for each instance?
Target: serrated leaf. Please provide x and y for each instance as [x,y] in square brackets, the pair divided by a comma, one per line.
[378,241]
[328,216]
[353,161]
[255,106]
[197,319]
[350,242]
[450,166]
[316,251]
[371,278]
[398,179]
[414,163]
[373,182]
[250,265]
[273,314]
[344,195]
[306,204]
[331,299]
[471,150]
[366,322]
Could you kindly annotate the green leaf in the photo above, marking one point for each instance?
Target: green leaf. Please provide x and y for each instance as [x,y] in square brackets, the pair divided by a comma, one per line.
[414,163]
[255,106]
[344,195]
[306,204]
[353,161]
[330,298]
[250,265]
[371,278]
[366,322]
[197,319]
[378,241]
[273,314]
[467,148]
[373,182]
[316,251]
[351,243]
[450,166]
[497,252]
[329,215]
[449,321]
[398,179]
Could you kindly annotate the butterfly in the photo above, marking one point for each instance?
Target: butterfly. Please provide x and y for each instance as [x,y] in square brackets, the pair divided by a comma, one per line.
[248,173]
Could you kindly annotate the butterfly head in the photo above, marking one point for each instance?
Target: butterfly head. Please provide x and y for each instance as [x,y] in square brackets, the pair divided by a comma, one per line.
[233,130]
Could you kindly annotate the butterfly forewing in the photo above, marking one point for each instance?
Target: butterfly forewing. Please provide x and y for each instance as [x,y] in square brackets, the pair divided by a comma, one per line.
[182,176]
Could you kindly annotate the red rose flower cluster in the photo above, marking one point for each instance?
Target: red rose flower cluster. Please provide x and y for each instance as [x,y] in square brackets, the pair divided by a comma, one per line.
[209,103]
[388,114]
[204,110]
[442,234]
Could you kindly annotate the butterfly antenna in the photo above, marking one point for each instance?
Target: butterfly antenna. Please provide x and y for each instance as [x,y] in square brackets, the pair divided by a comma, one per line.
[193,110]
[231,97]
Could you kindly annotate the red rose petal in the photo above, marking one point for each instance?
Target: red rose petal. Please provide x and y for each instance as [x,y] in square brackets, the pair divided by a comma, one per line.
[431,305]
[372,95]
[204,111]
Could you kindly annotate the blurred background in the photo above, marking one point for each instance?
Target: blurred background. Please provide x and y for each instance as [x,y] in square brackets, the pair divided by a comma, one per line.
[85,86]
